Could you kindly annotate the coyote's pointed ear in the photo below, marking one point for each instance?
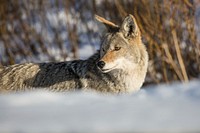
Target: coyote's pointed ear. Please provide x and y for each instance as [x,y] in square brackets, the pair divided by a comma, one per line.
[129,27]
[109,25]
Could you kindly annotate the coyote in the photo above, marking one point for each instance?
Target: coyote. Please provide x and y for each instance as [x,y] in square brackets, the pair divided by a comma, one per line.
[118,67]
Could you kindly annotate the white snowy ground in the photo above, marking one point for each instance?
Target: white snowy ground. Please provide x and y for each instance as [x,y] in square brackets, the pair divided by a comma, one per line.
[164,108]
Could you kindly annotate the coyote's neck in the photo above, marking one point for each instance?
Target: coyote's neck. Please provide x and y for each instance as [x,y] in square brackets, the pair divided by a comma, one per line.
[130,81]
[132,78]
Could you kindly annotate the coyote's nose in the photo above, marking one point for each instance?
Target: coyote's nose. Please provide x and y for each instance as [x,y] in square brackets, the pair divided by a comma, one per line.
[101,64]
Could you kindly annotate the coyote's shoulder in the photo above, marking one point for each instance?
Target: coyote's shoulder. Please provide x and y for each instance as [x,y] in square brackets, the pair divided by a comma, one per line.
[119,67]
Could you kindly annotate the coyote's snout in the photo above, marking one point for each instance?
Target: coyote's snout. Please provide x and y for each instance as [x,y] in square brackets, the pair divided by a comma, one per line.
[119,66]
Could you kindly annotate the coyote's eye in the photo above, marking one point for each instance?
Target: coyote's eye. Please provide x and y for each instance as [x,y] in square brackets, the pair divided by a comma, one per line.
[117,48]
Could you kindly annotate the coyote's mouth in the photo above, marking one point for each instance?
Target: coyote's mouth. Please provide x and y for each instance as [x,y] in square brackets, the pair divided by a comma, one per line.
[109,69]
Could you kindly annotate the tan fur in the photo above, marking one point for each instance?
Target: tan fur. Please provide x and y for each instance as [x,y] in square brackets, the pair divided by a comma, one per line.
[109,57]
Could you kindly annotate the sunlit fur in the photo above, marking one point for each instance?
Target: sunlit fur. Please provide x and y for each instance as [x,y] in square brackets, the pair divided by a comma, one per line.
[122,51]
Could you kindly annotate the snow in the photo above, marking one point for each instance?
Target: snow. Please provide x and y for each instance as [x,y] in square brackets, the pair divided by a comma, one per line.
[162,108]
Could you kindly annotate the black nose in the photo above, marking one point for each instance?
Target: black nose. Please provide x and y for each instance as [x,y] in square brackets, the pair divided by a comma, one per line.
[101,64]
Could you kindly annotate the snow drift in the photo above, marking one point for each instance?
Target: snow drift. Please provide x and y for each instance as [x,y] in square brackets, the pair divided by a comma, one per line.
[164,108]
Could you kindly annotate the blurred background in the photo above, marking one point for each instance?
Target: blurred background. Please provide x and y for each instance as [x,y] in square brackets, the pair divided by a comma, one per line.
[60,30]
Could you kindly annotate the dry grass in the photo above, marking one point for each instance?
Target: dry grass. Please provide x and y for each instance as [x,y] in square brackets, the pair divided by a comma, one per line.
[167,27]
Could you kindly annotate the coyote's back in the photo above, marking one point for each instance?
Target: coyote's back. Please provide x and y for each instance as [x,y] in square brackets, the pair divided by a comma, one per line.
[119,67]
[54,76]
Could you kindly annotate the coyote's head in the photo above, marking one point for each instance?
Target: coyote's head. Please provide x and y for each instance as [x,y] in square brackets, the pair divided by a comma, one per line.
[121,45]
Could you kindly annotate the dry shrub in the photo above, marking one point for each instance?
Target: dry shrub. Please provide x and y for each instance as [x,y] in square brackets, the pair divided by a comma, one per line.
[168,29]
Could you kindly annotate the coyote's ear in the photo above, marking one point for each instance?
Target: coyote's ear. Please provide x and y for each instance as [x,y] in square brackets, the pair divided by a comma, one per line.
[109,25]
[129,27]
